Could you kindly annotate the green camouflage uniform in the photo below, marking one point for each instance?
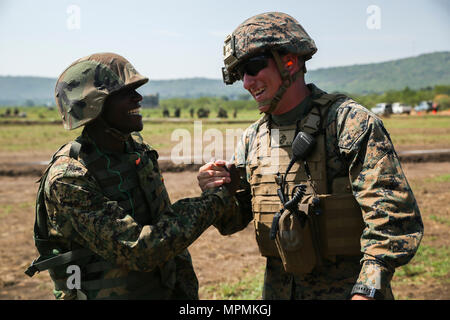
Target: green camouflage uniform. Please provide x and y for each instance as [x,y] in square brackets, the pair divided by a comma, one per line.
[109,213]
[148,243]
[357,146]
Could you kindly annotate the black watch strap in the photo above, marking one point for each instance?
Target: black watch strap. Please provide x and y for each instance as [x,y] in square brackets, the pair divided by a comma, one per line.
[367,291]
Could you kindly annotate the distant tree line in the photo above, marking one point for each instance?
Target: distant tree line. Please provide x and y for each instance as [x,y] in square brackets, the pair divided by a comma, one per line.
[414,72]
[439,93]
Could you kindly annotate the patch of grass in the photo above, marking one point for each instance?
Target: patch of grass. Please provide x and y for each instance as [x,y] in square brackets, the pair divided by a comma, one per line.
[249,287]
[37,113]
[440,178]
[47,137]
[26,205]
[412,130]
[416,122]
[405,137]
[428,264]
[439,219]
[5,210]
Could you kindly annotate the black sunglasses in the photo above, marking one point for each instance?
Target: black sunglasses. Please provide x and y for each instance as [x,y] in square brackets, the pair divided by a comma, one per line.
[253,65]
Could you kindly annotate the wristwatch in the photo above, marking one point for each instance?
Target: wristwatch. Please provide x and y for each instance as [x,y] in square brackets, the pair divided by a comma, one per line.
[367,291]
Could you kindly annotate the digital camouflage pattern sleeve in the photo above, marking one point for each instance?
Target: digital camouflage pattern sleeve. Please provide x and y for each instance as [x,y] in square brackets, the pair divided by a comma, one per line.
[393,224]
[78,211]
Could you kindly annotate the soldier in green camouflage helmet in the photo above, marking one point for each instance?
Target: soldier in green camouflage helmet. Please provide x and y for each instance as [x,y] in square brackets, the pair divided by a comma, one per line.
[102,205]
[356,219]
[269,34]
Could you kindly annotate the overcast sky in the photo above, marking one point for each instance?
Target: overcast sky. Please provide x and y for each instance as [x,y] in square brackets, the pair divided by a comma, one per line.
[171,39]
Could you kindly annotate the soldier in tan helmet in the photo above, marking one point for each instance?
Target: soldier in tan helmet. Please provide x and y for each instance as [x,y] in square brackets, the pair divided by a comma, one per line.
[353,218]
[102,209]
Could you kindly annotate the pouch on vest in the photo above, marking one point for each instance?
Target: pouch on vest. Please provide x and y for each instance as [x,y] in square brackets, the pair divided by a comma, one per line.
[341,221]
[263,222]
[294,241]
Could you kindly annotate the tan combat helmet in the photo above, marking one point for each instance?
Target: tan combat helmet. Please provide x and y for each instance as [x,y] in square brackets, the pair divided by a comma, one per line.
[83,87]
[272,32]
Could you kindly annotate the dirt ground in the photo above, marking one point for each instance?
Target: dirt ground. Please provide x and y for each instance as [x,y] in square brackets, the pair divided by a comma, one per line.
[216,258]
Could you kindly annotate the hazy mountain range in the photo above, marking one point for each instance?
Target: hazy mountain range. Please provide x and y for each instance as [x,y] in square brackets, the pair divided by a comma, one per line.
[417,72]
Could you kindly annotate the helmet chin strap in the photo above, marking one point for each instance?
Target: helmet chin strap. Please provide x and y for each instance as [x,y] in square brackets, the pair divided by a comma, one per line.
[286,81]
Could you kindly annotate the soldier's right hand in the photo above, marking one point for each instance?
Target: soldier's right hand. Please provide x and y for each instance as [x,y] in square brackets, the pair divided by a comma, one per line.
[213,174]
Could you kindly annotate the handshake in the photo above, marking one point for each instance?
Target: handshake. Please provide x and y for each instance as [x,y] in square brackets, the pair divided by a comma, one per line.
[217,173]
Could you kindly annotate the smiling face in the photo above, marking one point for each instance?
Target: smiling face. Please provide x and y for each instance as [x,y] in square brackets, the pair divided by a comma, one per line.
[264,85]
[122,110]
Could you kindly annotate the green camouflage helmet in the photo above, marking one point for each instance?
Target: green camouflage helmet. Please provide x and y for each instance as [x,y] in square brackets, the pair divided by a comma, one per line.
[83,87]
[266,31]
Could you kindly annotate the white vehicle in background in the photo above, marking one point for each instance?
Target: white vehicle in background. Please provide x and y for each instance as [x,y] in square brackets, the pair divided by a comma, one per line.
[399,108]
[424,106]
[382,109]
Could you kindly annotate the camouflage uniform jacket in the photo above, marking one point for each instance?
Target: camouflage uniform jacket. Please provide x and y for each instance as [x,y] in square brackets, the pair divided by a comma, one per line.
[152,248]
[358,146]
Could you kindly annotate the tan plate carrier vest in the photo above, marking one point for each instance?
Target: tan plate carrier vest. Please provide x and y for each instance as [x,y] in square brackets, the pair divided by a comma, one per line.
[332,228]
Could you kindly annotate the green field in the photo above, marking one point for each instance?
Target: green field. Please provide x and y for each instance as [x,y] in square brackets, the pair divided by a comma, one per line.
[427,130]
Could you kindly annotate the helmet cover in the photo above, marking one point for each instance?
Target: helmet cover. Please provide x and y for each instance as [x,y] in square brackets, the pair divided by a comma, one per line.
[266,31]
[82,88]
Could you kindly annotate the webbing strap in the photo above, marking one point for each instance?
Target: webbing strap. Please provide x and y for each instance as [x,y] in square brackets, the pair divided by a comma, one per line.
[75,150]
[286,79]
[41,264]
